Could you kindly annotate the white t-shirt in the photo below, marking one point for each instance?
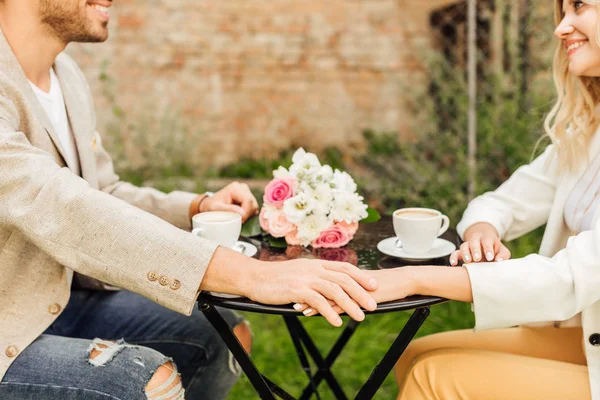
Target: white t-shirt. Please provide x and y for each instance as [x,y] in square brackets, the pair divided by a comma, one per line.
[54,105]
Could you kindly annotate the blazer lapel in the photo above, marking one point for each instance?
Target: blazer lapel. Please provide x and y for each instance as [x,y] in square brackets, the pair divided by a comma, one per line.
[11,67]
[80,119]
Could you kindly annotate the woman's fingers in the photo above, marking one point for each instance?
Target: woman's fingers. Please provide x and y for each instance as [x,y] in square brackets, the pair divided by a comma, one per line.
[487,244]
[309,312]
[320,304]
[475,249]
[465,252]
[455,257]
[503,253]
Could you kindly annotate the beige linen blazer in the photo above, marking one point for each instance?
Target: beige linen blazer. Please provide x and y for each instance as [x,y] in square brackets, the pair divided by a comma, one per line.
[561,281]
[53,222]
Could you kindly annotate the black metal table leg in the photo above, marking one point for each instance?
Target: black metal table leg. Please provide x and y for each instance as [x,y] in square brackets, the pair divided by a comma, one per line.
[301,355]
[263,386]
[387,363]
[332,356]
[324,371]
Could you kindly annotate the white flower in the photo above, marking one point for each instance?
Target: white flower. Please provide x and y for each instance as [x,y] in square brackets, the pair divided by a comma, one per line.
[323,196]
[281,172]
[298,207]
[324,174]
[343,182]
[305,165]
[311,227]
[348,207]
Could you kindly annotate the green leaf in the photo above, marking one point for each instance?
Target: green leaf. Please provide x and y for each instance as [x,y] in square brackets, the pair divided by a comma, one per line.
[278,243]
[373,216]
[251,227]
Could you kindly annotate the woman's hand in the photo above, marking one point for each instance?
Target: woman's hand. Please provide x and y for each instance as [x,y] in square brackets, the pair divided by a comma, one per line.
[482,243]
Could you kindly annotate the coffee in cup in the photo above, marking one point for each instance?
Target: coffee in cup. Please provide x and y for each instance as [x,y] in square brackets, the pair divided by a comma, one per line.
[417,228]
[221,227]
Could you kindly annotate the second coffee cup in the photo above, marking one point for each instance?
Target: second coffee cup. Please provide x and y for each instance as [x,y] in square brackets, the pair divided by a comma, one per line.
[417,228]
[221,227]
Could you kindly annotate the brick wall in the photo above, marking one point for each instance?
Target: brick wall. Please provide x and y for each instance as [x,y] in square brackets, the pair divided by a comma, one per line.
[238,78]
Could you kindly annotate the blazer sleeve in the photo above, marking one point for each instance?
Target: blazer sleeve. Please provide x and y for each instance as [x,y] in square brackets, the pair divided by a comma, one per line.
[521,204]
[93,232]
[537,288]
[172,207]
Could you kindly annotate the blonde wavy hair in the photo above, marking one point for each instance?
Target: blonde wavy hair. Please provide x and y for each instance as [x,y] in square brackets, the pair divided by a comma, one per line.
[572,122]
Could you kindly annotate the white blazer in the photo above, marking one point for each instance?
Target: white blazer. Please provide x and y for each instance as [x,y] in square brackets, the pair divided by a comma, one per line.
[561,281]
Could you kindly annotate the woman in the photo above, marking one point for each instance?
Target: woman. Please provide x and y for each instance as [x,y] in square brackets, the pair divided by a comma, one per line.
[560,188]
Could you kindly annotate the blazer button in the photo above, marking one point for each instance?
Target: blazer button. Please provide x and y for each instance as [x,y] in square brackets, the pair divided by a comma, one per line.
[11,351]
[152,276]
[595,339]
[175,285]
[54,309]
[164,281]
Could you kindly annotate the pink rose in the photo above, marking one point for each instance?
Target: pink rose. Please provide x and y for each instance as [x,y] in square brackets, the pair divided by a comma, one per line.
[350,228]
[292,238]
[279,226]
[264,219]
[333,237]
[279,190]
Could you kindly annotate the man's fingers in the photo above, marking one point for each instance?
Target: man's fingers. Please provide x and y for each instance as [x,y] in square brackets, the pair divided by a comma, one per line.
[360,276]
[318,303]
[228,207]
[355,291]
[489,252]
[242,195]
[333,291]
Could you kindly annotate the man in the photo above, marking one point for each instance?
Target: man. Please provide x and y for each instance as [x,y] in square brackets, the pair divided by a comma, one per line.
[64,211]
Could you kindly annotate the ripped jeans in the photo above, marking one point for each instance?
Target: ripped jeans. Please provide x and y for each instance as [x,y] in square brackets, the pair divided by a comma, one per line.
[57,365]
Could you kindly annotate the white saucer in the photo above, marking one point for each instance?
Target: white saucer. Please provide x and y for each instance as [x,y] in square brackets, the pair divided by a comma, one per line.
[440,248]
[247,249]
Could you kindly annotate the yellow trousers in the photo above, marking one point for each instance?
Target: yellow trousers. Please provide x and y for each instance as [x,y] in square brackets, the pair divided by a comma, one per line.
[506,364]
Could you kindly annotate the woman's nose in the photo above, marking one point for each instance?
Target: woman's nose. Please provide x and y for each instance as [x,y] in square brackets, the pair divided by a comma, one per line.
[564,29]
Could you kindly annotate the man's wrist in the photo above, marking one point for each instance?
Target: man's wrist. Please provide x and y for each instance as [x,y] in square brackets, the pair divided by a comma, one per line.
[195,206]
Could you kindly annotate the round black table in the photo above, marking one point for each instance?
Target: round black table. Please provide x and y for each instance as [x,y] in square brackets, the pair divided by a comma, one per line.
[362,252]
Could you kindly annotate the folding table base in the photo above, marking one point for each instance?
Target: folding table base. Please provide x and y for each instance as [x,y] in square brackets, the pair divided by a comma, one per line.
[266,389]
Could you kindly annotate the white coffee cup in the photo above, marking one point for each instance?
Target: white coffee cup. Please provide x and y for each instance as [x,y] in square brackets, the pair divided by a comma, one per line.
[221,227]
[417,228]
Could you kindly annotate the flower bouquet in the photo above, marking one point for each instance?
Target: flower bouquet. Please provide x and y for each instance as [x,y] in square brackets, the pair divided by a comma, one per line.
[311,204]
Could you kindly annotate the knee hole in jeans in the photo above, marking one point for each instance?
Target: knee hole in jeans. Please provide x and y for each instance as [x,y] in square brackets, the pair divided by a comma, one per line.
[165,384]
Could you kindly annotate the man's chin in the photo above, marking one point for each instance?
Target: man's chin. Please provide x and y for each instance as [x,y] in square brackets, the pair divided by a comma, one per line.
[91,38]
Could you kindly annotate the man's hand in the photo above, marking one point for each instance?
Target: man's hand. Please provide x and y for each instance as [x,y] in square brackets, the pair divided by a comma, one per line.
[312,282]
[482,243]
[318,284]
[235,197]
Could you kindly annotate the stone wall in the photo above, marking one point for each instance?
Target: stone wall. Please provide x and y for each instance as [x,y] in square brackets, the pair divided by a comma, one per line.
[232,78]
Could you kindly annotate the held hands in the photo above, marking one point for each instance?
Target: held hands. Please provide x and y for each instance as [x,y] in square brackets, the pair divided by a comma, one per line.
[393,284]
[482,243]
[327,287]
[235,197]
